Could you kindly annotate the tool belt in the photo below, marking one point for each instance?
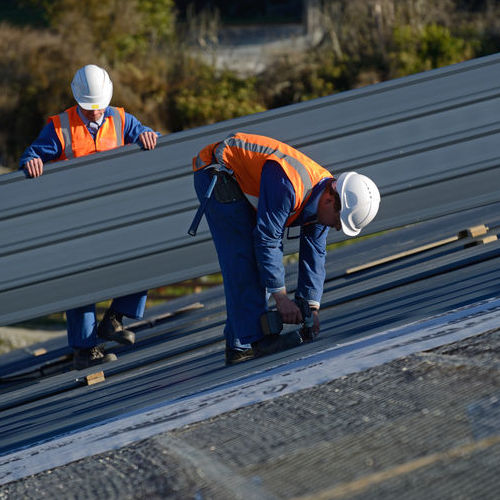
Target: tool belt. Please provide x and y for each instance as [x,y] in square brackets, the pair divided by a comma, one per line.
[226,189]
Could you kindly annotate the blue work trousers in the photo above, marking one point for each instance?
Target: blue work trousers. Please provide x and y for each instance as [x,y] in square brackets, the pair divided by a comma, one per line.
[232,225]
[82,322]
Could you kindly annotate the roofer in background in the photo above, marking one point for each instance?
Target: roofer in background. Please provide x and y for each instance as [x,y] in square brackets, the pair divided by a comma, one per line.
[264,186]
[88,127]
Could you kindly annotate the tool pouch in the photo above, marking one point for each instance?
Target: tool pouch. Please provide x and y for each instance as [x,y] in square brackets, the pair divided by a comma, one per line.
[227,189]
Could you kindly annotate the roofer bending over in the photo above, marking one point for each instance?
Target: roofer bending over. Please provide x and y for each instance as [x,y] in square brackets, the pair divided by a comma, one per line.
[89,127]
[264,186]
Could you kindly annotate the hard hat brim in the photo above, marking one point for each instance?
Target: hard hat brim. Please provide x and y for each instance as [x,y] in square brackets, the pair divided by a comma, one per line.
[92,106]
[347,228]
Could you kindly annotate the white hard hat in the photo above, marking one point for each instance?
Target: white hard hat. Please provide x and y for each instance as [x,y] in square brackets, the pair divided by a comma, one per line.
[360,199]
[92,88]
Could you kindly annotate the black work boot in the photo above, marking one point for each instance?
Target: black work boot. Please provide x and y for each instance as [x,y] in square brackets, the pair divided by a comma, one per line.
[84,358]
[111,328]
[235,356]
[270,344]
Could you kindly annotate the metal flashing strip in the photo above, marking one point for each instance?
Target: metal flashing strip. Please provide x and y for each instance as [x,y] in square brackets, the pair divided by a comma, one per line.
[318,368]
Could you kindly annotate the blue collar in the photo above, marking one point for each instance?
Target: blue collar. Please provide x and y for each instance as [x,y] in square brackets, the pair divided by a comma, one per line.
[86,121]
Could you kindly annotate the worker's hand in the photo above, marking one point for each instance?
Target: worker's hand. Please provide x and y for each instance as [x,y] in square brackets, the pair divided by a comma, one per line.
[288,309]
[148,140]
[34,167]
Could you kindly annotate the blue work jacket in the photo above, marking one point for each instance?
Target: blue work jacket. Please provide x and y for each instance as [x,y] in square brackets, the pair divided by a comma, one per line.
[276,202]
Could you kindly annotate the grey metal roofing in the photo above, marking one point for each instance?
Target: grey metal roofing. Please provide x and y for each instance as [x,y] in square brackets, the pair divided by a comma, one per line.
[114,223]
[182,354]
[429,141]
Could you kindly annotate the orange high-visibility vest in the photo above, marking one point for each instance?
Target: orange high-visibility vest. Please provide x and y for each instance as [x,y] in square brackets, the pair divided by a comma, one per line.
[245,154]
[77,141]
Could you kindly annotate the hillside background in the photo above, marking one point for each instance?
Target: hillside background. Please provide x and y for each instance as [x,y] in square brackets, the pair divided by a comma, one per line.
[177,65]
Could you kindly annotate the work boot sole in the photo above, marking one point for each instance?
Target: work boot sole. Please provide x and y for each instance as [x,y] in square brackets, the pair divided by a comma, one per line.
[82,364]
[233,357]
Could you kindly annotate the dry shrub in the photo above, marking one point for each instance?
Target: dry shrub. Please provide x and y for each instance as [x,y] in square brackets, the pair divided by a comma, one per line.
[35,68]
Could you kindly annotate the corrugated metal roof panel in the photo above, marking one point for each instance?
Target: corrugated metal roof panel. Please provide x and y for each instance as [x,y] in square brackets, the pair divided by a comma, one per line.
[116,222]
[183,356]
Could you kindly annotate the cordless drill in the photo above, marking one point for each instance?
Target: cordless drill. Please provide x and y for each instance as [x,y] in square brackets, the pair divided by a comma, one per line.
[272,323]
[306,331]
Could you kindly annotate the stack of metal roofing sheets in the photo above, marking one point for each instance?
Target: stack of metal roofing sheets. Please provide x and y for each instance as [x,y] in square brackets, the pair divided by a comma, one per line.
[114,223]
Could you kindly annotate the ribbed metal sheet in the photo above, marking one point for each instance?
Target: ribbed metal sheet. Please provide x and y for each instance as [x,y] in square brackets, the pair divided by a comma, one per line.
[338,262]
[115,223]
[184,355]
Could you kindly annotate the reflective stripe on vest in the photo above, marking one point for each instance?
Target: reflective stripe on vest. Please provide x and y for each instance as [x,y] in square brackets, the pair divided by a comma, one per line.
[117,119]
[232,140]
[66,133]
[68,126]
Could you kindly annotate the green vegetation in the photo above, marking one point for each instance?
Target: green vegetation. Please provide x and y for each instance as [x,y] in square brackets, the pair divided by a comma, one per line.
[210,97]
[428,47]
[158,76]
